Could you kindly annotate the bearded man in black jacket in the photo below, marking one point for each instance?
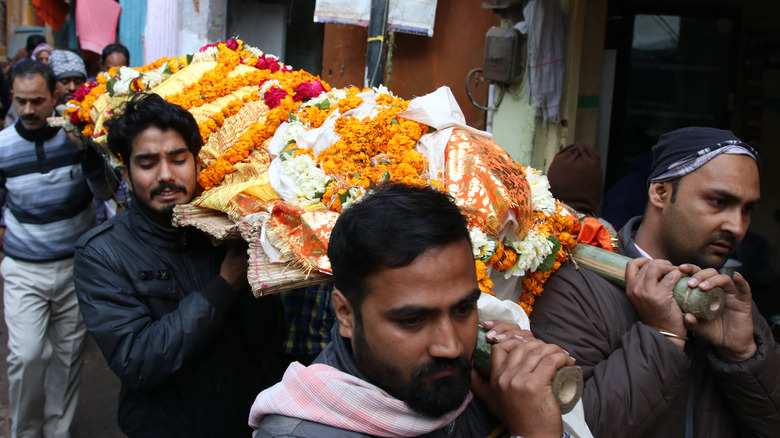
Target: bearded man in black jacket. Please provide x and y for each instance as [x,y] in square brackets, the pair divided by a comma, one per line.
[172,314]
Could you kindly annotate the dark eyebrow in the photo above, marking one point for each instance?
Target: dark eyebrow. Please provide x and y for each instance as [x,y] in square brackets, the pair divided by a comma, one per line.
[734,198]
[411,310]
[178,151]
[153,156]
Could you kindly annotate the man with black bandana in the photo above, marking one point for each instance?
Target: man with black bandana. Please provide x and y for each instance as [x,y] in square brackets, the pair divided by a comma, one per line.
[47,184]
[399,363]
[172,313]
[650,370]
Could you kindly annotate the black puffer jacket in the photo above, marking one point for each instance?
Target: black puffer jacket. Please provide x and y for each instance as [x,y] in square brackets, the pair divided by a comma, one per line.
[638,383]
[190,352]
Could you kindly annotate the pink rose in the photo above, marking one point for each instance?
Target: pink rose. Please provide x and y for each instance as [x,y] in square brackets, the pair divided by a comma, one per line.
[231,44]
[308,90]
[274,96]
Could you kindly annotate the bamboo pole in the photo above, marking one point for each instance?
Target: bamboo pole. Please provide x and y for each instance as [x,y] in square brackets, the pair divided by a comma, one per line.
[566,385]
[703,305]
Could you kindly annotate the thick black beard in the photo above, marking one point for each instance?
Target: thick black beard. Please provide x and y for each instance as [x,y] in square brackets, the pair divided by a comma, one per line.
[433,399]
[162,216]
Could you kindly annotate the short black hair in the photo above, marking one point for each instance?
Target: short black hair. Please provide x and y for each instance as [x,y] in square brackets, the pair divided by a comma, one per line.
[150,110]
[25,68]
[390,228]
[111,48]
[33,41]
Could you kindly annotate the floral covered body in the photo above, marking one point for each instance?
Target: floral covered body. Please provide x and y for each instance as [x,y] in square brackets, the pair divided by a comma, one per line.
[284,154]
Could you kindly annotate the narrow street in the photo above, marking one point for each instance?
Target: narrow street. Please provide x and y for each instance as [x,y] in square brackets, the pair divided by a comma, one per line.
[96,411]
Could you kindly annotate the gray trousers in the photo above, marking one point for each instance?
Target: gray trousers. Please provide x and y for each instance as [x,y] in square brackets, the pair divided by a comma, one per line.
[46,342]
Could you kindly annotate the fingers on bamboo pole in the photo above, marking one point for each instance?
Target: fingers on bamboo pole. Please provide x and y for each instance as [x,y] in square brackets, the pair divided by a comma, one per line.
[566,385]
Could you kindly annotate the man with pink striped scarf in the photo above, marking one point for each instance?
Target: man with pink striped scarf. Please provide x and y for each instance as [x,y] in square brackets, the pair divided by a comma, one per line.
[399,364]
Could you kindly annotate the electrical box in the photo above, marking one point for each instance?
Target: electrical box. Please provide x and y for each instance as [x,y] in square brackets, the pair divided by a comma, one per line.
[504,59]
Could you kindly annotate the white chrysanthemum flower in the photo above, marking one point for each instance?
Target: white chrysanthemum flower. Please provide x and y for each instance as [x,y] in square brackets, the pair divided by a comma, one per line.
[267,86]
[294,128]
[541,198]
[309,179]
[482,246]
[354,195]
[125,76]
[253,50]
[155,77]
[208,55]
[333,97]
[381,89]
[531,252]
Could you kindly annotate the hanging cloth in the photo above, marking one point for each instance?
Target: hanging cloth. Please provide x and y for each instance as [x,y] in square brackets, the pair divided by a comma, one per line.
[545,26]
[96,22]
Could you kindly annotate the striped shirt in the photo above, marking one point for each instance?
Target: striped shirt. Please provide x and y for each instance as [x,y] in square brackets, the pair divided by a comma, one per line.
[46,191]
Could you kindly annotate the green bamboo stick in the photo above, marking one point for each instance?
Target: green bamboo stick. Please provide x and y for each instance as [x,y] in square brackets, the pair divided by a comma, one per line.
[612,266]
[566,385]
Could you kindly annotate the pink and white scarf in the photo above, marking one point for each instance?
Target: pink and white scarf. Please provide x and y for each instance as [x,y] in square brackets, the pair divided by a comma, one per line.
[325,395]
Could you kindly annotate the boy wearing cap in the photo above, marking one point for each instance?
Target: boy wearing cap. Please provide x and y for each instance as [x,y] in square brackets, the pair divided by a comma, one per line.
[70,73]
[650,370]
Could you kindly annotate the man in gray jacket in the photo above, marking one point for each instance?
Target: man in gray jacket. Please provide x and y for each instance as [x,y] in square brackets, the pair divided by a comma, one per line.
[652,371]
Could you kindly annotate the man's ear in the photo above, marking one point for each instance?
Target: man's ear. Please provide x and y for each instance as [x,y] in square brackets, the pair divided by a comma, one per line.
[660,193]
[344,313]
[127,178]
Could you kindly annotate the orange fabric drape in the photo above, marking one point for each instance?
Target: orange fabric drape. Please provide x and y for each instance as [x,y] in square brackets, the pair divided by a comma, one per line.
[53,12]
[594,233]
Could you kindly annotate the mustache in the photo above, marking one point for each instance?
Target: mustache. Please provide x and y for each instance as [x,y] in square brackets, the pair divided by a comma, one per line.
[724,237]
[163,187]
[440,364]
[30,117]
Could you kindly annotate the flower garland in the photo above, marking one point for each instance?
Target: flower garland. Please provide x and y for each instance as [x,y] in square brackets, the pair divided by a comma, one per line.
[213,174]
[542,251]
[218,118]
[371,150]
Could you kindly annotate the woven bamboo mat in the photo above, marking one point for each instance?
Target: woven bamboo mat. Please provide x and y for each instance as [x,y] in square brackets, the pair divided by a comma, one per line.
[265,277]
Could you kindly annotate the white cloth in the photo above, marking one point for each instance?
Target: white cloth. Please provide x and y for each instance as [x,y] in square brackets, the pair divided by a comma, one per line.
[492,308]
[545,25]
[46,343]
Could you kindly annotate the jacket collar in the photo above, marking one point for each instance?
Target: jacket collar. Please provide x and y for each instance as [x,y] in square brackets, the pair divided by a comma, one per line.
[39,135]
[626,235]
[171,238]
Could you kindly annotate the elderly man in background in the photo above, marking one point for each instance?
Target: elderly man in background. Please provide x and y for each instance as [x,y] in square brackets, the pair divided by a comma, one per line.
[70,73]
[47,185]
[652,371]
